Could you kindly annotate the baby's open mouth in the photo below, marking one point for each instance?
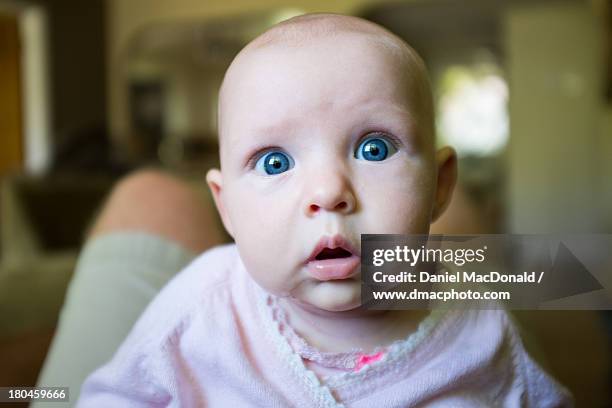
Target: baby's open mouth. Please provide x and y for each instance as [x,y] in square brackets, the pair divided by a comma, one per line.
[328,253]
[333,258]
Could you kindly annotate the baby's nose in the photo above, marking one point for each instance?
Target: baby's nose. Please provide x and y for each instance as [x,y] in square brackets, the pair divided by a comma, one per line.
[331,192]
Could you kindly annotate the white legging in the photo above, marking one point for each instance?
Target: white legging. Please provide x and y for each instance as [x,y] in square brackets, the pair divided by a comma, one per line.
[116,277]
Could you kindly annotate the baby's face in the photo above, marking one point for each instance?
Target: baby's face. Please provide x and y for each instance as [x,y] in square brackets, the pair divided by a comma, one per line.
[319,145]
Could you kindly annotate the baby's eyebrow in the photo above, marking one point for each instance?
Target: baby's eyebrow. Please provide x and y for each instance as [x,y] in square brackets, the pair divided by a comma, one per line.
[391,113]
[373,115]
[273,122]
[269,138]
[284,126]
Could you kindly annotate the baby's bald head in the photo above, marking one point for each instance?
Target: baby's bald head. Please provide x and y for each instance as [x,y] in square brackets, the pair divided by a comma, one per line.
[309,29]
[306,28]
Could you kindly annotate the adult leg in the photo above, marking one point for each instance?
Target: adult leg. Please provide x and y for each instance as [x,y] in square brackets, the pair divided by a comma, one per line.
[151,226]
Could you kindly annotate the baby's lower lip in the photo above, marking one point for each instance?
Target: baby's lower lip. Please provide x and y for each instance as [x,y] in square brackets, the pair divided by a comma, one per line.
[332,269]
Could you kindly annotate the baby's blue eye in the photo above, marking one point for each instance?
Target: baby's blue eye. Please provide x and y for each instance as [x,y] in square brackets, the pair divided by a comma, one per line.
[274,163]
[375,149]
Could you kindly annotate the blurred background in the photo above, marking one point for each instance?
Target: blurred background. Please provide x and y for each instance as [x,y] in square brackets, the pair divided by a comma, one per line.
[91,90]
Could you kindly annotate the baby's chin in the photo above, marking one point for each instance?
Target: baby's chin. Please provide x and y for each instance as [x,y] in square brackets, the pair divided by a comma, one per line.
[332,296]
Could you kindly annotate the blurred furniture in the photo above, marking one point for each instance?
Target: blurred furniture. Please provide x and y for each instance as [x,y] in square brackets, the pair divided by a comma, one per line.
[42,224]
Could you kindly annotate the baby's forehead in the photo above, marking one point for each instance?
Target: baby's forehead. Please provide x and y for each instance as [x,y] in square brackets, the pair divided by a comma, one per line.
[313,36]
[343,58]
[303,32]
[277,81]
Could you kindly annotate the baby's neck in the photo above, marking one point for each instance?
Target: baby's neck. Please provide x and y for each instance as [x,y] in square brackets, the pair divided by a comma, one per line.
[344,331]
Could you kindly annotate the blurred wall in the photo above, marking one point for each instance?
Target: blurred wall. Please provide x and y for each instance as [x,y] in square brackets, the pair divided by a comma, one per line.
[559,152]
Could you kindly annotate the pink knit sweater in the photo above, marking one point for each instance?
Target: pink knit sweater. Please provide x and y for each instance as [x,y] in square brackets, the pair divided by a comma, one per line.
[212,337]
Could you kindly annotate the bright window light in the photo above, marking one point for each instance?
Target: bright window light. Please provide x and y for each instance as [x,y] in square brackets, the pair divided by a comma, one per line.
[473,110]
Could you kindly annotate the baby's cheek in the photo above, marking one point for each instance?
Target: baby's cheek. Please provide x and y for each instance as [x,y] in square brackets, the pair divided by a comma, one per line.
[399,203]
[263,233]
[258,211]
[264,266]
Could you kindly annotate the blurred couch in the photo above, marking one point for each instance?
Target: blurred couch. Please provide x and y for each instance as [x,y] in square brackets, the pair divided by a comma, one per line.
[42,225]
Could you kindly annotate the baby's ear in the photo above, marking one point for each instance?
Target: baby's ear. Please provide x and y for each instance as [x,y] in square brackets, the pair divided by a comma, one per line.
[214,179]
[446,162]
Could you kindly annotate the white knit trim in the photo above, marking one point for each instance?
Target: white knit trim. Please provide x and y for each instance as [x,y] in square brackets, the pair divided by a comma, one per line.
[339,360]
[394,355]
[391,361]
[322,396]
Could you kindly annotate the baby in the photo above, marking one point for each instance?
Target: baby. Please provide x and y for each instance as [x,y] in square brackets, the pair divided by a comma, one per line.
[326,131]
